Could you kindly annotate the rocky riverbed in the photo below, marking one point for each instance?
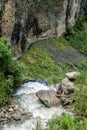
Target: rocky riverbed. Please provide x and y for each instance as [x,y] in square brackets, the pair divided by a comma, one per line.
[34,102]
[12,113]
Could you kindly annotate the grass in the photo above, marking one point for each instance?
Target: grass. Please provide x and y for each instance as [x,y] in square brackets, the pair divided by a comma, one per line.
[60,43]
[80,96]
[66,122]
[38,63]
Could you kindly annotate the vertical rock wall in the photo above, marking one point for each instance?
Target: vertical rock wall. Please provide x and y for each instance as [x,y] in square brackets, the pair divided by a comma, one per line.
[26,21]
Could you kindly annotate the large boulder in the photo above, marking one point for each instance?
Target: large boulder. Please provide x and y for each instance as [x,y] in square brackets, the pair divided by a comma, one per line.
[66,86]
[48,97]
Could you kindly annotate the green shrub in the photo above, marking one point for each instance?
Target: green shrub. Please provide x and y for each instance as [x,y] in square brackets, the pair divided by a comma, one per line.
[16,71]
[5,54]
[5,91]
[10,71]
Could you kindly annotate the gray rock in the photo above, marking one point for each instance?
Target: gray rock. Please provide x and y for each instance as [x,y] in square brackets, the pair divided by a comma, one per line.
[72,75]
[7,115]
[66,86]
[17,116]
[3,109]
[10,110]
[1,114]
[48,97]
[16,107]
[65,100]
[3,120]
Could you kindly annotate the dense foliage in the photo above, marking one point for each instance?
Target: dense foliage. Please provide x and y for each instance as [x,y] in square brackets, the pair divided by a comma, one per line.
[10,71]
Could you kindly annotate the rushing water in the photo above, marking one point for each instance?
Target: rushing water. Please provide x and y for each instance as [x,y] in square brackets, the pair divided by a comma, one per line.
[25,96]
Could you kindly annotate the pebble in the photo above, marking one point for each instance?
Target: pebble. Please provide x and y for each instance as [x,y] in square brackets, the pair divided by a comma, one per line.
[10,110]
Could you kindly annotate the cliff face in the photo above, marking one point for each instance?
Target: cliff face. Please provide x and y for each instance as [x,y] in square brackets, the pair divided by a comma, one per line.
[26,21]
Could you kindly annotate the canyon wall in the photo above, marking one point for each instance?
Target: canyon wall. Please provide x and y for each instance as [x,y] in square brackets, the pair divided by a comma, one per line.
[26,21]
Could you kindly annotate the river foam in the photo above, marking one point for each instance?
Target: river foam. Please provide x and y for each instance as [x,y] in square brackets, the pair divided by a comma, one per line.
[26,97]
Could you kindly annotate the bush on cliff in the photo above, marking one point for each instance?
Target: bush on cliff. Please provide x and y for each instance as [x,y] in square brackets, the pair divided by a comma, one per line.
[10,71]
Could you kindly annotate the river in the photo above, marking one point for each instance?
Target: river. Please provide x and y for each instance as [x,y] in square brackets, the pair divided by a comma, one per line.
[26,97]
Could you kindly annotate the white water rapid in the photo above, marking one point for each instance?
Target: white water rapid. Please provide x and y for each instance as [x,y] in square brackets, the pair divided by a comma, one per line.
[26,98]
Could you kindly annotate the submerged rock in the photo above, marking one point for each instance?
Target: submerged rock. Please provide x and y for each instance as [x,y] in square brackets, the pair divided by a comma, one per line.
[48,97]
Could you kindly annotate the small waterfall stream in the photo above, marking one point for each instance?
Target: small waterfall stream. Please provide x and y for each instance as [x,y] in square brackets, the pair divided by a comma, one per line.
[25,96]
